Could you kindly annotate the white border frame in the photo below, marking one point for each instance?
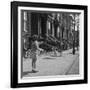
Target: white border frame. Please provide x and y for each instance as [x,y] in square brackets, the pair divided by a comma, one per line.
[51,78]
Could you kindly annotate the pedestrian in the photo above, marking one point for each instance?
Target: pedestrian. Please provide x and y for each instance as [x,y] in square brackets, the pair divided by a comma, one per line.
[54,50]
[33,52]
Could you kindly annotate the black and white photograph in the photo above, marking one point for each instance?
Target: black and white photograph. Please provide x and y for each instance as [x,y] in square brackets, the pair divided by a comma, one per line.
[50,44]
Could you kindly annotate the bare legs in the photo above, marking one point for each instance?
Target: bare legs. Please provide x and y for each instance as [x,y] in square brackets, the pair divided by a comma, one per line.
[34,64]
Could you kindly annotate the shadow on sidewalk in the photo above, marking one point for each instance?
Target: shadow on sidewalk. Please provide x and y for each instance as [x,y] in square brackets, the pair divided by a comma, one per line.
[49,58]
[28,72]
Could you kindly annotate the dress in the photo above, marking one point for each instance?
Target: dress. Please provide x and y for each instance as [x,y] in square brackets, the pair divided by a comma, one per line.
[33,51]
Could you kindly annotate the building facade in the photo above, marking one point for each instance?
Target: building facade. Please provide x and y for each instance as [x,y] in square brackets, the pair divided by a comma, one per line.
[44,24]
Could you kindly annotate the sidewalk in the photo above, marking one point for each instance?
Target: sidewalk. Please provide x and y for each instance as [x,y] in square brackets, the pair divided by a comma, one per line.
[50,65]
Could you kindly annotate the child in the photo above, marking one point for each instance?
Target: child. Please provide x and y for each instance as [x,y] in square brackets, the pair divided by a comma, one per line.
[54,50]
[34,48]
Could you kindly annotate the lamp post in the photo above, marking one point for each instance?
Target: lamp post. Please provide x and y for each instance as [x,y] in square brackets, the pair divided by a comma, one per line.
[73,51]
[73,41]
[73,23]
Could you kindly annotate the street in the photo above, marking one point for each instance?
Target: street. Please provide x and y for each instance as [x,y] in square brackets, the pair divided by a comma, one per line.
[48,65]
